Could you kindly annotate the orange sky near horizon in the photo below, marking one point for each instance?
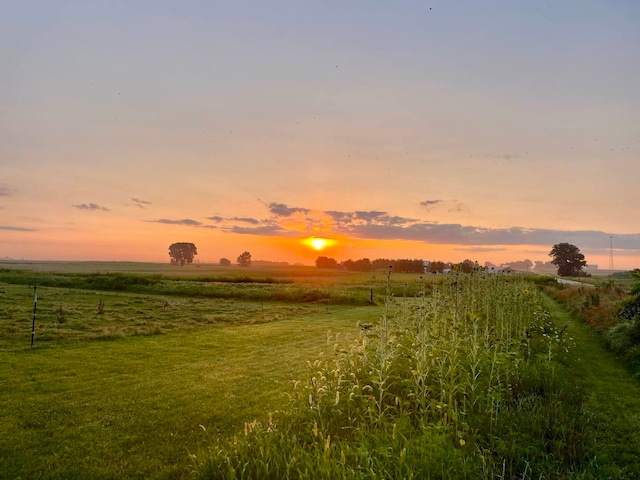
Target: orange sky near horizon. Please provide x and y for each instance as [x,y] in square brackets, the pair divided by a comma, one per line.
[481,130]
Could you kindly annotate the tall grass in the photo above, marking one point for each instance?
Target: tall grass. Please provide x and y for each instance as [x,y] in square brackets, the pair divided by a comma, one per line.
[465,382]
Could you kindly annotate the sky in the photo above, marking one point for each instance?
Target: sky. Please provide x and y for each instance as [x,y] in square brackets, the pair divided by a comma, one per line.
[441,130]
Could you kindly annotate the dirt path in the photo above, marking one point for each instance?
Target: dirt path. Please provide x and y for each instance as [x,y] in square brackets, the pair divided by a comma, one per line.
[612,401]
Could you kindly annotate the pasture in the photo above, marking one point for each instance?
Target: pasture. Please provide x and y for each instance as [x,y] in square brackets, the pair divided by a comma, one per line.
[157,371]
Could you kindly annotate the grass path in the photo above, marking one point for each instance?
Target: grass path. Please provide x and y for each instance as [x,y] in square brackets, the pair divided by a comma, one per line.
[612,401]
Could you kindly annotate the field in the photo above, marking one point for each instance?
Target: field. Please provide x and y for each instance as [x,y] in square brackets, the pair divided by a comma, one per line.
[154,371]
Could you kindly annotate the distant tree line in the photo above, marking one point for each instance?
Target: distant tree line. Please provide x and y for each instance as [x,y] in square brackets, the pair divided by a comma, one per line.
[399,265]
[521,265]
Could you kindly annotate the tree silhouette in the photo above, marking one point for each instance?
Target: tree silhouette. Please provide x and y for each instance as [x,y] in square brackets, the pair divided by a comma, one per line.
[568,259]
[182,252]
[244,259]
[326,262]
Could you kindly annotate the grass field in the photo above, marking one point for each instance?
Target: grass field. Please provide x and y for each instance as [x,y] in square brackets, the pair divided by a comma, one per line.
[162,383]
[135,404]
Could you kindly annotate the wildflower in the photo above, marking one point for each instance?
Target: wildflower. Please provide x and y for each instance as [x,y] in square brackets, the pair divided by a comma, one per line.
[462,442]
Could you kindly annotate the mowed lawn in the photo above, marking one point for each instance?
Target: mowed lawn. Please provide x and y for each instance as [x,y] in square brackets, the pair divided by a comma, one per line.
[137,407]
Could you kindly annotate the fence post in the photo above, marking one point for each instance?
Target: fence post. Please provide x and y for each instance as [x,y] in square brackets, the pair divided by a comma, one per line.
[35,305]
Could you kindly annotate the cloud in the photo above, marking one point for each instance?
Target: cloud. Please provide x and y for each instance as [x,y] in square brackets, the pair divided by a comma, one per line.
[185,221]
[482,249]
[429,204]
[340,216]
[268,230]
[246,220]
[458,207]
[16,229]
[369,216]
[504,156]
[281,210]
[6,191]
[456,234]
[140,203]
[91,206]
[380,225]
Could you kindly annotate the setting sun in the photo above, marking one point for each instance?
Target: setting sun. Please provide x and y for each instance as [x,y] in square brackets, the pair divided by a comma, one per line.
[318,243]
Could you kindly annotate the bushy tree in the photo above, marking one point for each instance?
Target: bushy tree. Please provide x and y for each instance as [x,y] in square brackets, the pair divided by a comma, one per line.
[244,259]
[568,259]
[326,262]
[182,252]
[225,262]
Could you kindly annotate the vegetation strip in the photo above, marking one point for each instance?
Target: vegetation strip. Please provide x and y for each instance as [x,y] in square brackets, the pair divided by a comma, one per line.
[612,402]
[468,382]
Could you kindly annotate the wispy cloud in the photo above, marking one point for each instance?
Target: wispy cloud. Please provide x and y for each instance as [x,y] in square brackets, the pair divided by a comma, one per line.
[140,203]
[453,206]
[91,206]
[283,210]
[216,218]
[6,191]
[429,204]
[16,229]
[267,230]
[482,249]
[184,221]
[253,221]
[457,208]
[504,156]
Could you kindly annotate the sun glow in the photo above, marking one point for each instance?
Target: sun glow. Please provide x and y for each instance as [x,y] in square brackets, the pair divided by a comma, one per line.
[318,243]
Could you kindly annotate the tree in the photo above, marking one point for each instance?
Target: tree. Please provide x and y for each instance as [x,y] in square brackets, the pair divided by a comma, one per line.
[466,266]
[225,262]
[437,266]
[568,259]
[362,265]
[326,262]
[182,252]
[244,259]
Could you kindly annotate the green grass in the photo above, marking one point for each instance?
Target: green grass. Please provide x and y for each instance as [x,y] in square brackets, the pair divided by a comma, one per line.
[335,288]
[154,385]
[136,407]
[612,403]
[68,315]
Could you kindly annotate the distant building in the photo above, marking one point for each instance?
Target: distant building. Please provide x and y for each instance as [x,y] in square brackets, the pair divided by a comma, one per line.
[592,267]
